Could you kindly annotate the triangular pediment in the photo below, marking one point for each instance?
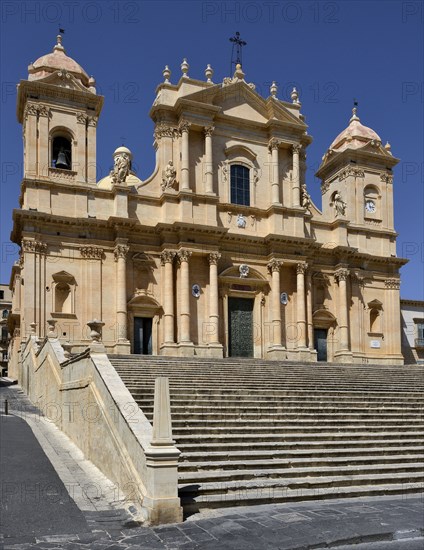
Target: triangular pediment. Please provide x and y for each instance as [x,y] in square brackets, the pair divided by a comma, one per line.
[63,79]
[240,100]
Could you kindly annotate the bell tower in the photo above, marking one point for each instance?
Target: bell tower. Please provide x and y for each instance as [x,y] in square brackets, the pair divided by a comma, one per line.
[58,108]
[357,179]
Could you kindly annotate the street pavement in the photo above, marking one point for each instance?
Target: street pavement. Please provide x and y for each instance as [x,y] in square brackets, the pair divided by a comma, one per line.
[53,498]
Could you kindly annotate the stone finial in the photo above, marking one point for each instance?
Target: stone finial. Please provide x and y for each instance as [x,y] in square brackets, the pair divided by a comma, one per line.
[354,115]
[273,89]
[209,74]
[33,329]
[295,97]
[388,147]
[59,47]
[184,68]
[51,333]
[95,330]
[166,74]
[92,84]
[238,73]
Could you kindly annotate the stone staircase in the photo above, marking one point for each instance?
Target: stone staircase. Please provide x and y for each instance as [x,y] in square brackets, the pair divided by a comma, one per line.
[254,431]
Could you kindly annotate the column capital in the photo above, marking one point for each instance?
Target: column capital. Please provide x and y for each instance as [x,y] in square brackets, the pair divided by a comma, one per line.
[120,251]
[341,274]
[214,258]
[274,265]
[184,126]
[209,130]
[29,245]
[183,255]
[91,252]
[296,147]
[301,267]
[167,257]
[392,283]
[273,143]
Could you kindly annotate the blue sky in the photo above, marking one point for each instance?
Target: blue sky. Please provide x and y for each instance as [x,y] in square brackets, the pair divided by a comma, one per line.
[332,51]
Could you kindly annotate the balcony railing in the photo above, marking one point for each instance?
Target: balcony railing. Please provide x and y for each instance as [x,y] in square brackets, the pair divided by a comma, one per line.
[419,343]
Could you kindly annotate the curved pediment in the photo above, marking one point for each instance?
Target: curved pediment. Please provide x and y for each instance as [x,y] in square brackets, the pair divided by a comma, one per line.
[323,318]
[240,150]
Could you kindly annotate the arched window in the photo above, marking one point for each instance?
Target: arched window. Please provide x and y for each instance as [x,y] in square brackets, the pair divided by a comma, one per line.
[371,200]
[62,298]
[62,153]
[4,333]
[240,184]
[5,313]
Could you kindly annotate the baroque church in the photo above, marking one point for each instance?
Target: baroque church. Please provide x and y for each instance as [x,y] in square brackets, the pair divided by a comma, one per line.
[221,251]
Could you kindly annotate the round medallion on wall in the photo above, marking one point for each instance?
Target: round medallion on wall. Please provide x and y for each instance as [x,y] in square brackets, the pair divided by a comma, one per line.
[284,299]
[195,290]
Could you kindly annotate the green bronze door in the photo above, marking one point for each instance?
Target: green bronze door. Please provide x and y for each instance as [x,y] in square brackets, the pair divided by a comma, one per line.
[240,324]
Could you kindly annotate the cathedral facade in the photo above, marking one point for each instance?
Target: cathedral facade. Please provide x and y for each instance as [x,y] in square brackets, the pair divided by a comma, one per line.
[221,251]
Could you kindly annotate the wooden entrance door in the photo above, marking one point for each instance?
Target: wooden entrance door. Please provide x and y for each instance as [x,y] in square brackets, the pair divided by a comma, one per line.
[320,343]
[240,324]
[143,335]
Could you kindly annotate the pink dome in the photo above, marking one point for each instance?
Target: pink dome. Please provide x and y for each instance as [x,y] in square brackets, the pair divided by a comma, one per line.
[55,61]
[356,135]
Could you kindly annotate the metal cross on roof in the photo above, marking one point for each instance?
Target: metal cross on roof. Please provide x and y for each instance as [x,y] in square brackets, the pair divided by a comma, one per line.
[238,44]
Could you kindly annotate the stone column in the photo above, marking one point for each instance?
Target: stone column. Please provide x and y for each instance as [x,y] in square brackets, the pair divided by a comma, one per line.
[275,191]
[183,258]
[79,156]
[43,140]
[185,176]
[167,258]
[274,267]
[120,253]
[301,268]
[30,123]
[393,321]
[91,150]
[213,298]
[296,174]
[309,309]
[341,276]
[208,160]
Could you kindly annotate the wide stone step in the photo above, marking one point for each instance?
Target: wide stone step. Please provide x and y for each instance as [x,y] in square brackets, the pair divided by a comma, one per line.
[208,448]
[283,437]
[275,479]
[187,464]
[305,427]
[193,501]
[348,451]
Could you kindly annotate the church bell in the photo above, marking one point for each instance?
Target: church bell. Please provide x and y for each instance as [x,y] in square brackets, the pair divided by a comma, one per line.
[61,161]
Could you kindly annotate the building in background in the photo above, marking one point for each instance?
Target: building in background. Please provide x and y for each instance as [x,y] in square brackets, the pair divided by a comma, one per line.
[5,307]
[221,251]
[412,312]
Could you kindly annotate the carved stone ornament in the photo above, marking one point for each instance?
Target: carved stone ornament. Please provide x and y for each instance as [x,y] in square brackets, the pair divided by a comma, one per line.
[301,267]
[224,170]
[30,109]
[274,265]
[241,221]
[169,180]
[167,257]
[209,130]
[296,148]
[164,130]
[120,251]
[273,143]
[386,177]
[214,258]
[91,252]
[324,187]
[341,274]
[393,284]
[92,121]
[351,171]
[81,118]
[121,168]
[43,110]
[244,271]
[184,126]
[34,246]
[184,255]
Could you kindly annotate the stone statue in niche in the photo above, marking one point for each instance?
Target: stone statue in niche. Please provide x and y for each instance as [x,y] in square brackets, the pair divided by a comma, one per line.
[121,168]
[338,204]
[305,199]
[169,177]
